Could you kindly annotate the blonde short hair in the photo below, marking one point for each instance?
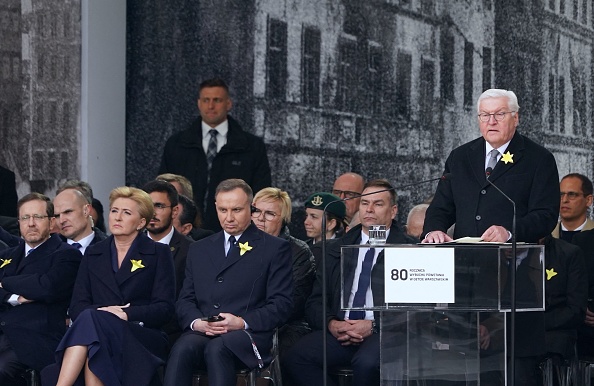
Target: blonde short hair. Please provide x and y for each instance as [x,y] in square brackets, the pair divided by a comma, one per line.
[139,196]
[275,194]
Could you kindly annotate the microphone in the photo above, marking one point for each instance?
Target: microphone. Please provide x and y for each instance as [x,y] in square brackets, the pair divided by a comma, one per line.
[443,177]
[512,350]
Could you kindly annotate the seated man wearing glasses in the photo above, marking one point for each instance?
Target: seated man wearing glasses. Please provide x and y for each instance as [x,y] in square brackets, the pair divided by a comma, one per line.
[576,198]
[349,185]
[36,280]
[161,230]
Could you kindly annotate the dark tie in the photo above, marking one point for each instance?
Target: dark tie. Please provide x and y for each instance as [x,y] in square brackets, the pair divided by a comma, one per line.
[30,250]
[76,245]
[364,280]
[493,160]
[211,153]
[232,241]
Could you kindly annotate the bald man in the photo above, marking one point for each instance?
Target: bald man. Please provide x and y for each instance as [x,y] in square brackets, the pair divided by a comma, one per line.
[349,185]
[73,218]
[415,220]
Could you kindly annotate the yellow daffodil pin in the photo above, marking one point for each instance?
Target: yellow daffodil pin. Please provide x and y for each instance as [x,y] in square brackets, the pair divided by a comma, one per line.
[5,262]
[244,247]
[550,273]
[136,264]
[507,157]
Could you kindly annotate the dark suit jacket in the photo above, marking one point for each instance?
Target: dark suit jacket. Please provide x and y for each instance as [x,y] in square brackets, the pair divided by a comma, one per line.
[256,286]
[46,276]
[178,246]
[467,200]
[566,295]
[8,194]
[585,240]
[9,238]
[313,307]
[199,233]
[243,156]
[149,290]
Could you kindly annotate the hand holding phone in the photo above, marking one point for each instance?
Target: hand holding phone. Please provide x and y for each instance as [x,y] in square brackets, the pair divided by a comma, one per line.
[213,318]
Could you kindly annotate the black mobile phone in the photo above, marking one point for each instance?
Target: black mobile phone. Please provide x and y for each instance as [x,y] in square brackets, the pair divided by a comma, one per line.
[591,305]
[213,318]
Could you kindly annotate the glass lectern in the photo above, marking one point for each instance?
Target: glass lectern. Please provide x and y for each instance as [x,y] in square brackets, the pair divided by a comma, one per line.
[442,308]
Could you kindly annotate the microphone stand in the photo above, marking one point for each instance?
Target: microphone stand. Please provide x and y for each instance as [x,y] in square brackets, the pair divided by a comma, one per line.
[323,241]
[512,348]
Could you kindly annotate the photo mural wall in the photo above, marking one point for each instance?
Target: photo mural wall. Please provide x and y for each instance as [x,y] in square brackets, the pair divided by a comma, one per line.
[382,88]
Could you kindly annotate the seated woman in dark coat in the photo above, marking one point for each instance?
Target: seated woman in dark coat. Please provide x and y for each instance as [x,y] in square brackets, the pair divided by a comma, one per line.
[123,295]
[271,213]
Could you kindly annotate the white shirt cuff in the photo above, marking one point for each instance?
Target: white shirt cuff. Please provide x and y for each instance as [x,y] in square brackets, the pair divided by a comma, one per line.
[13,300]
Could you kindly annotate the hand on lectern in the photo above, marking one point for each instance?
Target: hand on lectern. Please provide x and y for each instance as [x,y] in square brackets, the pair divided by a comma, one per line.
[495,233]
[436,237]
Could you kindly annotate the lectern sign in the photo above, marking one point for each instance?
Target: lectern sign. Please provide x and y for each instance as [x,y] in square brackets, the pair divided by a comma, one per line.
[419,275]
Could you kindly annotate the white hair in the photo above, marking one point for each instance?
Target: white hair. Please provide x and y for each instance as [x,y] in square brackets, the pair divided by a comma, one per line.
[512,99]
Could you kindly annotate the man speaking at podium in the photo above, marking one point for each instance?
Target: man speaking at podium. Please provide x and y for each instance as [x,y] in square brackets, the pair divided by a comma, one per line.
[527,173]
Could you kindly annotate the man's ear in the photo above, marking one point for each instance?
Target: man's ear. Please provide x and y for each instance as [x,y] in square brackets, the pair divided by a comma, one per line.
[175,212]
[186,229]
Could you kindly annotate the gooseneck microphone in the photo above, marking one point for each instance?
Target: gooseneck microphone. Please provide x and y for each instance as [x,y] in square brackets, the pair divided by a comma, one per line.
[443,177]
[512,349]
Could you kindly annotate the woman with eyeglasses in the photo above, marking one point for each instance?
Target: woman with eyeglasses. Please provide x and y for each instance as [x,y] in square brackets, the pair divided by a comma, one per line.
[123,295]
[271,213]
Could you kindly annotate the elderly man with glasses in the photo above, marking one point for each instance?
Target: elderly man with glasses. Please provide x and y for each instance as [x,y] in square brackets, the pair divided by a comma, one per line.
[527,173]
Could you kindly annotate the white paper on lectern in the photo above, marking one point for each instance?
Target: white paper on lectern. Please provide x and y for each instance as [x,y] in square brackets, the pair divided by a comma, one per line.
[419,275]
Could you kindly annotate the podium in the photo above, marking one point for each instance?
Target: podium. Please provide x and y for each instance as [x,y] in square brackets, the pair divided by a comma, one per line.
[437,303]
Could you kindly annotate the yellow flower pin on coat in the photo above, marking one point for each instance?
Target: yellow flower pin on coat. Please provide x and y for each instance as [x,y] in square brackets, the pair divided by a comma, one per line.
[550,273]
[136,264]
[244,247]
[507,157]
[5,262]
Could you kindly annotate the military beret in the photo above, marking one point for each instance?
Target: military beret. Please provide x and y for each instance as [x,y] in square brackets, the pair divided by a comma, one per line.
[321,199]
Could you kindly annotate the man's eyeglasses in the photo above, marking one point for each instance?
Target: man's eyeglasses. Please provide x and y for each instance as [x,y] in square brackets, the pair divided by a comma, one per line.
[268,215]
[500,116]
[160,207]
[572,195]
[36,217]
[345,193]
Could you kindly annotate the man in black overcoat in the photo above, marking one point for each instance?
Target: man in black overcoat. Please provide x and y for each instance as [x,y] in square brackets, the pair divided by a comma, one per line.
[527,173]
[36,280]
[242,275]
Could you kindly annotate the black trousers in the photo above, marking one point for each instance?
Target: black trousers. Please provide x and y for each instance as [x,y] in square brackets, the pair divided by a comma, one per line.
[11,369]
[194,351]
[303,363]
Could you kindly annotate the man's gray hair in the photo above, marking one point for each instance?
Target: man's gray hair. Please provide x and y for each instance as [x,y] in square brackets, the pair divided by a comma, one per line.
[512,99]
